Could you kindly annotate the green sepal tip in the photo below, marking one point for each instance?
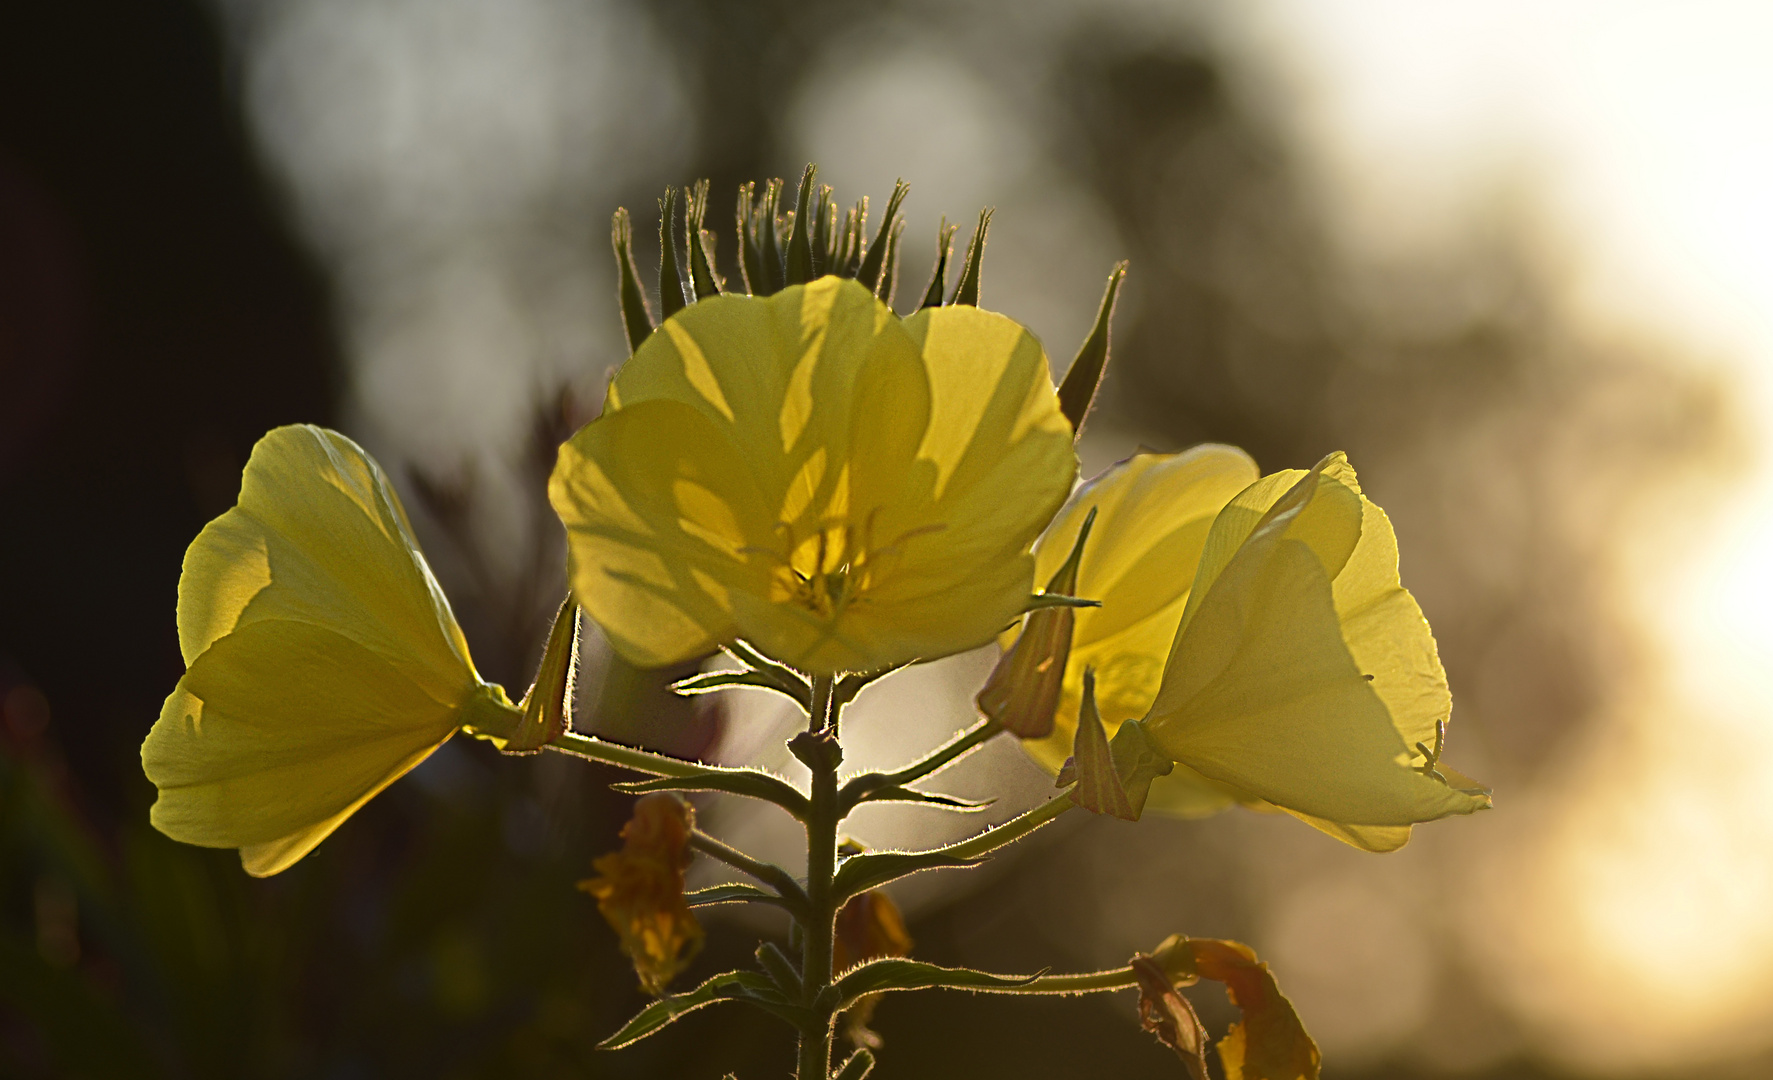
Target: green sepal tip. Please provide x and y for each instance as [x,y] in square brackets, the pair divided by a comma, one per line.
[1077,391]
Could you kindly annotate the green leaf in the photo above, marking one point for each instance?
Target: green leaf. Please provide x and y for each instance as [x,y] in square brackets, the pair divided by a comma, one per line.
[967,292]
[731,894]
[874,262]
[932,296]
[751,783]
[860,1064]
[1078,390]
[859,873]
[786,679]
[711,681]
[931,798]
[896,973]
[637,318]
[751,987]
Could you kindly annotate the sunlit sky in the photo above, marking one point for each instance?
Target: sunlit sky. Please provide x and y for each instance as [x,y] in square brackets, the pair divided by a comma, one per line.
[1638,135]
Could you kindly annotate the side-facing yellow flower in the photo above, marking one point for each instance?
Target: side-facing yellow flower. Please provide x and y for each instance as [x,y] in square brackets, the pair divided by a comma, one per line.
[1298,670]
[322,659]
[843,489]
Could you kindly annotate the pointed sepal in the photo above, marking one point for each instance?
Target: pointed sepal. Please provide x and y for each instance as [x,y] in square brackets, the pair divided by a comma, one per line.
[967,291]
[1078,389]
[548,707]
[637,317]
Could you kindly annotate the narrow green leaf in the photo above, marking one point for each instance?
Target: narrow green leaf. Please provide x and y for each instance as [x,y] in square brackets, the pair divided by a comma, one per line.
[874,261]
[786,679]
[751,987]
[967,292]
[859,873]
[731,894]
[548,707]
[897,793]
[637,318]
[1078,389]
[722,680]
[799,263]
[932,296]
[897,973]
[673,297]
[751,783]
[701,259]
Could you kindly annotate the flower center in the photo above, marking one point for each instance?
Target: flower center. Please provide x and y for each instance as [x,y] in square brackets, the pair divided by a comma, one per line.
[834,565]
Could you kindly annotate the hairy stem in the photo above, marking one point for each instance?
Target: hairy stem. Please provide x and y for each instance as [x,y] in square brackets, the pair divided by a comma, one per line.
[819,928]
[645,761]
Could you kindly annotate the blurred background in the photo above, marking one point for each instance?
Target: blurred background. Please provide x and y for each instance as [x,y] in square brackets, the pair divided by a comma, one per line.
[1515,257]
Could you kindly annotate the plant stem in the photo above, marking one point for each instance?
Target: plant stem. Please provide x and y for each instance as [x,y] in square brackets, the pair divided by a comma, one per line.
[821,868]
[587,746]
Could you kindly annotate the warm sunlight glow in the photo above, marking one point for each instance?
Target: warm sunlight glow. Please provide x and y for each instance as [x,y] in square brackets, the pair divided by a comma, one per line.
[1640,129]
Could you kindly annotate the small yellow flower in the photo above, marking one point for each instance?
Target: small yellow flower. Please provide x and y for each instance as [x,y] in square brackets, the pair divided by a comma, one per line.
[844,489]
[639,890]
[1266,641]
[322,660]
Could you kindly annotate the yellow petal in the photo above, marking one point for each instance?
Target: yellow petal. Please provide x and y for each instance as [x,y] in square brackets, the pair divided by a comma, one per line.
[319,536]
[1154,512]
[852,492]
[277,733]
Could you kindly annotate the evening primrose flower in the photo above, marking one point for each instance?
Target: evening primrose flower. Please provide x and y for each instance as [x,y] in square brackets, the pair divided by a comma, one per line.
[322,659]
[843,489]
[1298,671]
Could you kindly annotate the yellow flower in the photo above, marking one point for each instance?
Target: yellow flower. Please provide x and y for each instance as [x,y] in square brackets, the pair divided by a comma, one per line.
[322,660]
[1274,656]
[1153,514]
[639,890]
[843,489]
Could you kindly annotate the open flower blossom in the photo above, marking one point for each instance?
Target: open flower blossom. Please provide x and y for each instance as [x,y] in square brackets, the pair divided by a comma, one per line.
[844,489]
[322,660]
[639,890]
[1261,632]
